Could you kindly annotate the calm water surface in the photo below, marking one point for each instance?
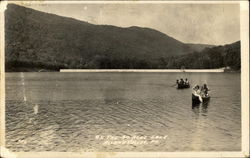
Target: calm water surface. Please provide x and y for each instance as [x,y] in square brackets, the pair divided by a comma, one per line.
[66,111]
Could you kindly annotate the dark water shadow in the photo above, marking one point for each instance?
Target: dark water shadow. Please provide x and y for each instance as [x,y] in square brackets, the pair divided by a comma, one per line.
[196,108]
[204,108]
[200,108]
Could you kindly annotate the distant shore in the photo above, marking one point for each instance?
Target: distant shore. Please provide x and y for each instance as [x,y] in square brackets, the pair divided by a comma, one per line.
[141,70]
[122,70]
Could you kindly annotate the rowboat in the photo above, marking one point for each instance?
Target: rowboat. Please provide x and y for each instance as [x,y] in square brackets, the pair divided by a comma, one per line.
[196,100]
[183,86]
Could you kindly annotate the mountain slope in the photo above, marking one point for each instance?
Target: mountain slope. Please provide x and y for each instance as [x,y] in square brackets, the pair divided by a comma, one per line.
[199,47]
[38,39]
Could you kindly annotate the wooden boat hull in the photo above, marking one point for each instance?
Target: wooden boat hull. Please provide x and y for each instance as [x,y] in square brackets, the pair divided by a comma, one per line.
[183,86]
[196,100]
[206,99]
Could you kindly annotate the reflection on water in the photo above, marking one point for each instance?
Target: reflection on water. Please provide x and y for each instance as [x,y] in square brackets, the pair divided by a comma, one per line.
[201,108]
[66,111]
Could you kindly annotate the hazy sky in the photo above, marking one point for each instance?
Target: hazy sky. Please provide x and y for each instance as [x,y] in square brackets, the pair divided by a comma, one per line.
[190,23]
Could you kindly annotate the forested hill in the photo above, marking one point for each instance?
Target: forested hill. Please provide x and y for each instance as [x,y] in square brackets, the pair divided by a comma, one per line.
[38,39]
[210,58]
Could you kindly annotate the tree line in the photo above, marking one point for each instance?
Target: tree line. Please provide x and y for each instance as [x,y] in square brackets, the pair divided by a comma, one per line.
[209,58]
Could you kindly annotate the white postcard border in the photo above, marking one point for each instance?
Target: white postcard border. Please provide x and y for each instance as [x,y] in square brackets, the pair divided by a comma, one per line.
[244,16]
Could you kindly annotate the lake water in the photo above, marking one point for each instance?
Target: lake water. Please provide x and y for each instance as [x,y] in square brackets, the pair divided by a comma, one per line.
[72,112]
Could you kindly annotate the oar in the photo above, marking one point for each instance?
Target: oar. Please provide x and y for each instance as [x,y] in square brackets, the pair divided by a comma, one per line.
[173,85]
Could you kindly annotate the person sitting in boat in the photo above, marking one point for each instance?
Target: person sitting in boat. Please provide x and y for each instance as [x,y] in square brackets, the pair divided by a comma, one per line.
[197,89]
[197,92]
[186,81]
[177,82]
[204,90]
[181,82]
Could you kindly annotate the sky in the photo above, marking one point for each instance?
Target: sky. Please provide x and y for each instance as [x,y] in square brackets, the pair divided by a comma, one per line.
[215,24]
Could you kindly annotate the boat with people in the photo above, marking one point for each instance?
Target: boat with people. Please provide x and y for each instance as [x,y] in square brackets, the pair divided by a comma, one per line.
[200,95]
[182,84]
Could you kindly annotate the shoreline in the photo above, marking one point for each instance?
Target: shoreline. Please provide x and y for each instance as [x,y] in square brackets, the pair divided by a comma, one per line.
[128,70]
[142,70]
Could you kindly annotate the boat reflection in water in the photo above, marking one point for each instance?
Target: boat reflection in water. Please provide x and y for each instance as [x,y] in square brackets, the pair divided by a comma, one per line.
[200,107]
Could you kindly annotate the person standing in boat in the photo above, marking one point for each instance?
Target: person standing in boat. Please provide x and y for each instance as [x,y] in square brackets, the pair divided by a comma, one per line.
[197,92]
[205,90]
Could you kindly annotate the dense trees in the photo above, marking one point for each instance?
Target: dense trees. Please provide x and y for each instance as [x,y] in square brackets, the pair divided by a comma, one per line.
[209,58]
